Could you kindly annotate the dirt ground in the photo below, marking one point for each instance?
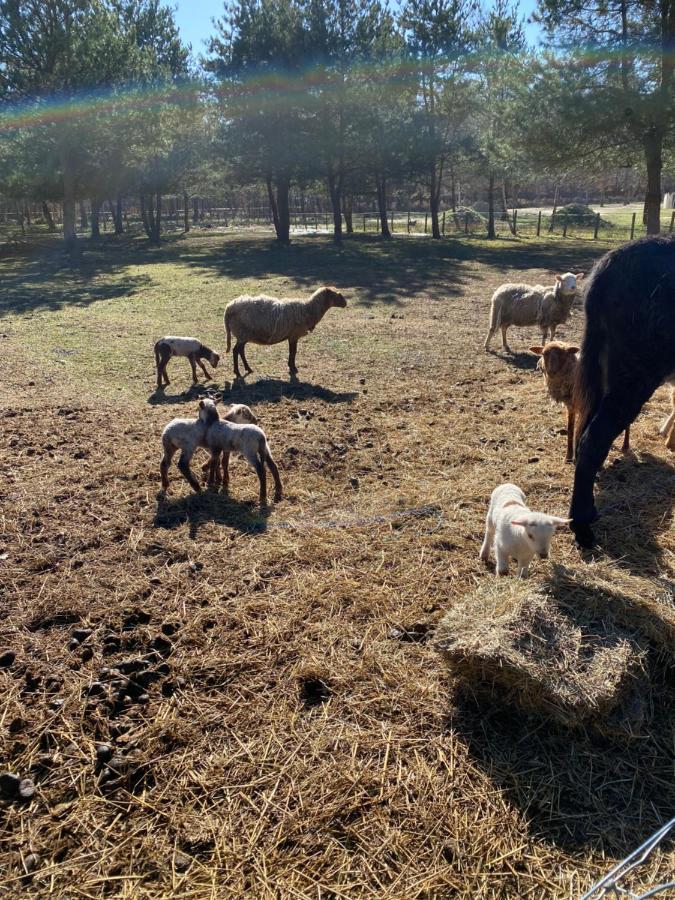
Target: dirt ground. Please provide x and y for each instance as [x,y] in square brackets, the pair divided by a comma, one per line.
[282,725]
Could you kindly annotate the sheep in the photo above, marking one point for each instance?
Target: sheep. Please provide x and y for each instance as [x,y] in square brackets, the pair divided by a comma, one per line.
[516,531]
[189,434]
[195,351]
[559,363]
[521,304]
[270,320]
[627,351]
[249,440]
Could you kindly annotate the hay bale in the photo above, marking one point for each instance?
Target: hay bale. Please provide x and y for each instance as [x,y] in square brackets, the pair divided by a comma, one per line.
[511,637]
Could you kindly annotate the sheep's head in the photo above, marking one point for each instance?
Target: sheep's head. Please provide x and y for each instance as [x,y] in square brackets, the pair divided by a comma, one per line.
[568,281]
[240,414]
[539,530]
[214,358]
[333,297]
[207,411]
[555,357]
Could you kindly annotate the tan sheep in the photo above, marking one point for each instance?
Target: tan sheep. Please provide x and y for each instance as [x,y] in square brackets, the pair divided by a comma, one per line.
[560,362]
[524,304]
[270,320]
[667,429]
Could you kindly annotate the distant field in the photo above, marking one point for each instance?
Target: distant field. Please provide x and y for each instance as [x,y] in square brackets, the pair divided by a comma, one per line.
[294,745]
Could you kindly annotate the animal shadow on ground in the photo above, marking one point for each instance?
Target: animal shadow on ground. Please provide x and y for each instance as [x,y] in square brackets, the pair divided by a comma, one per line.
[159,397]
[209,506]
[519,360]
[635,496]
[272,390]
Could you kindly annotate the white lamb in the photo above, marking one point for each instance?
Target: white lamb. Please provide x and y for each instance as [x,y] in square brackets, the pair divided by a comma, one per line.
[516,531]
[187,435]
[524,304]
[249,440]
[667,428]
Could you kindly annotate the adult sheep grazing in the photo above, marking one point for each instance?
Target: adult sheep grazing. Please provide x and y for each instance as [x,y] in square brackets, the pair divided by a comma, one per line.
[270,320]
[627,351]
[524,304]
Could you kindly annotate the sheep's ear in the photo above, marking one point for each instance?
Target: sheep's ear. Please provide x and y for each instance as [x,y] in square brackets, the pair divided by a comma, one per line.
[558,278]
[525,523]
[558,522]
[201,404]
[579,276]
[572,350]
[537,350]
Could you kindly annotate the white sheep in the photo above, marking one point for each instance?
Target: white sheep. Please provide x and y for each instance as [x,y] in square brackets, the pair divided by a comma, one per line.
[523,304]
[270,320]
[223,438]
[667,428]
[194,350]
[516,531]
[187,435]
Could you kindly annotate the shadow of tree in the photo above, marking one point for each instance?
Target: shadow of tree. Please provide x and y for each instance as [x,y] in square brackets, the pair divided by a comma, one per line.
[209,506]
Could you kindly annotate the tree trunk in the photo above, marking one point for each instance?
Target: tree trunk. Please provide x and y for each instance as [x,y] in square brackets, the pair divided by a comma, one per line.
[20,217]
[653,146]
[453,193]
[273,205]
[491,233]
[551,224]
[158,217]
[145,219]
[283,209]
[186,214]
[195,209]
[347,207]
[116,211]
[69,230]
[435,201]
[335,191]
[27,208]
[95,219]
[84,223]
[381,184]
[48,217]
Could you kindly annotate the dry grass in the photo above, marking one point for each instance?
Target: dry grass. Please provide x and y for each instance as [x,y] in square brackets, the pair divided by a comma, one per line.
[298,735]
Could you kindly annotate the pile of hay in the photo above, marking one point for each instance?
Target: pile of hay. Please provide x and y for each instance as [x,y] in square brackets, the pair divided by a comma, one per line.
[512,637]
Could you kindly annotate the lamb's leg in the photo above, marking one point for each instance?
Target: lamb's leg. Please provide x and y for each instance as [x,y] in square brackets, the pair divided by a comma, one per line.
[553,331]
[613,416]
[544,335]
[502,560]
[667,424]
[292,347]
[523,566]
[242,353]
[184,466]
[259,467]
[278,488]
[625,447]
[164,466]
[488,540]
[505,345]
[162,360]
[489,337]
[213,465]
[192,358]
[225,465]
[202,367]
[570,435]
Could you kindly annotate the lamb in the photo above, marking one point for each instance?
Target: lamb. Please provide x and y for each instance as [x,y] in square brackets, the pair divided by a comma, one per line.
[270,320]
[559,363]
[249,440]
[516,531]
[627,351]
[521,304]
[187,435]
[195,351]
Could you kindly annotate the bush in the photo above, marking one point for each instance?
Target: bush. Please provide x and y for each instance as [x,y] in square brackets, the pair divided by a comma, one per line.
[578,214]
[475,218]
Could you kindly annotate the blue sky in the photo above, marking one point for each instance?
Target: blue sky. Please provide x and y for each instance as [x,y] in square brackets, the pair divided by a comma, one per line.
[194,20]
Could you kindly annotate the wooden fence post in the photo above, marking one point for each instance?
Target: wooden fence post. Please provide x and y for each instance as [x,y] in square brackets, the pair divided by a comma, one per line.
[672,219]
[364,224]
[426,216]
[565,225]
[443,226]
[515,221]
[632,227]
[466,223]
[597,225]
[392,221]
[539,224]
[408,221]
